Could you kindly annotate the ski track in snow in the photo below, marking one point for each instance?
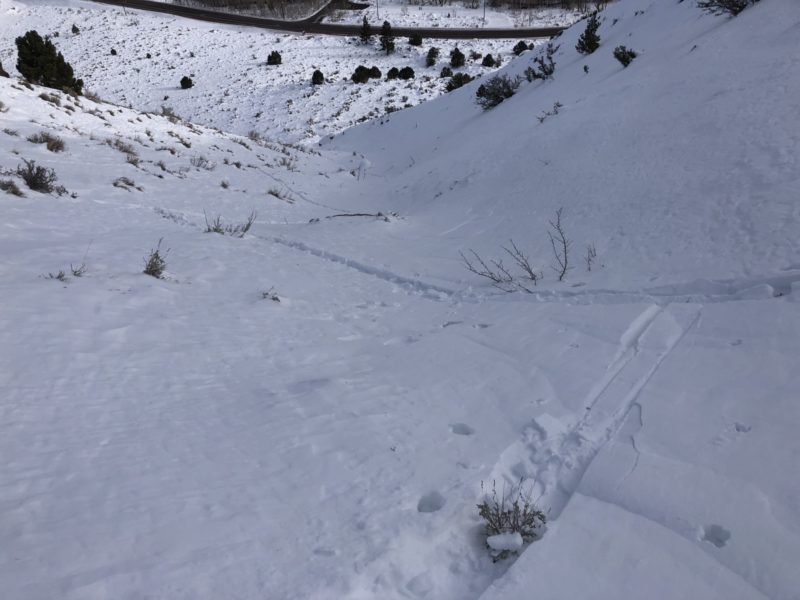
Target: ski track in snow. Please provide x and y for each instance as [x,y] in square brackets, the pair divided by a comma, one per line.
[551,459]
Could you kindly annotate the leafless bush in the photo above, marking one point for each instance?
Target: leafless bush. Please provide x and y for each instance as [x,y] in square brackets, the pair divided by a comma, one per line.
[155,264]
[560,245]
[235,230]
[513,512]
[126,184]
[123,147]
[51,98]
[167,112]
[500,275]
[60,276]
[89,95]
[591,256]
[52,142]
[11,132]
[201,162]
[550,113]
[270,295]
[9,186]
[79,270]
[39,179]
[288,163]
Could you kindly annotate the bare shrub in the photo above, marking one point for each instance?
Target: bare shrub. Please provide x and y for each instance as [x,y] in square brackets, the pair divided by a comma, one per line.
[560,245]
[500,275]
[9,186]
[39,179]
[591,256]
[155,264]
[51,98]
[52,142]
[123,147]
[201,162]
[236,230]
[550,113]
[513,512]
[60,276]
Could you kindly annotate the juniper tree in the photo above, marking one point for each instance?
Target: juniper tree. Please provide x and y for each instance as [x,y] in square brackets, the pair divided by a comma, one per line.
[624,55]
[589,40]
[387,38]
[457,58]
[366,32]
[519,48]
[722,7]
[39,62]
[431,57]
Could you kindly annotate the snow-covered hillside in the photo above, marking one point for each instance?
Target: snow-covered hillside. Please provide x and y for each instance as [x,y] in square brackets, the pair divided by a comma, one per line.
[309,411]
[234,89]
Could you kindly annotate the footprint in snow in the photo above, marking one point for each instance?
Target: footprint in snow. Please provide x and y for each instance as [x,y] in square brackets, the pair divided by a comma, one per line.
[715,534]
[461,429]
[431,502]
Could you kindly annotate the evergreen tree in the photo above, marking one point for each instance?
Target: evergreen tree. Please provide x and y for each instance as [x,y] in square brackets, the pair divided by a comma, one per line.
[457,58]
[406,73]
[3,72]
[624,55]
[186,82]
[39,62]
[317,78]
[415,39]
[360,75]
[274,58]
[366,32]
[589,40]
[387,38]
[520,47]
[430,59]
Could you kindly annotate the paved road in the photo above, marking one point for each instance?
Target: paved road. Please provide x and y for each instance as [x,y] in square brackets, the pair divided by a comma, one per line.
[330,28]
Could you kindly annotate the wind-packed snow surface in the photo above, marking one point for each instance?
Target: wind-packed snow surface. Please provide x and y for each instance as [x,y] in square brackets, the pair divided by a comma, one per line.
[308,411]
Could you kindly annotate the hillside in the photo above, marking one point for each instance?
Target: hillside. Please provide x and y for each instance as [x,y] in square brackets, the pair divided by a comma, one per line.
[234,89]
[313,410]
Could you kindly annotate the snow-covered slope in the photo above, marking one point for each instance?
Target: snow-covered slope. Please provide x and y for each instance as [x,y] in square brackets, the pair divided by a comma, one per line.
[683,166]
[191,437]
[234,88]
